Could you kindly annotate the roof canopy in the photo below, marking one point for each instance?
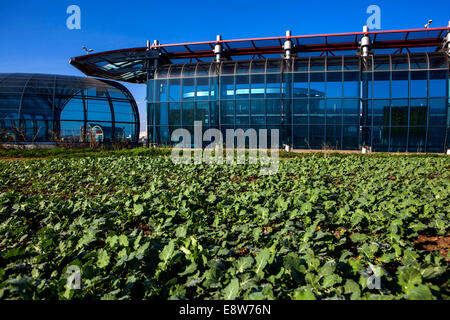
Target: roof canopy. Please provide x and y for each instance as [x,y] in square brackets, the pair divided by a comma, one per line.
[137,64]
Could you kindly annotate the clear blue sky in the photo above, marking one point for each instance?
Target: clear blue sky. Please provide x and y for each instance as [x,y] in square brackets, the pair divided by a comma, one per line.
[34,36]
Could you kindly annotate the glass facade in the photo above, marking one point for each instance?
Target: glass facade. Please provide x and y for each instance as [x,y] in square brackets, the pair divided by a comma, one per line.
[390,102]
[45,108]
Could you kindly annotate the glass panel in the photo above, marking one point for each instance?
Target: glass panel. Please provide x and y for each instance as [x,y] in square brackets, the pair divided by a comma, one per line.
[228,68]
[273,86]
[317,64]
[334,84]
[334,64]
[438,61]
[300,106]
[174,89]
[399,84]
[189,70]
[257,106]
[161,90]
[381,85]
[351,63]
[438,83]
[227,87]
[174,114]
[273,65]
[381,63]
[243,66]
[202,89]
[418,112]
[418,61]
[419,84]
[317,85]
[400,62]
[258,66]
[175,70]
[300,85]
[351,84]
[188,89]
[242,106]
[301,64]
[300,136]
[242,87]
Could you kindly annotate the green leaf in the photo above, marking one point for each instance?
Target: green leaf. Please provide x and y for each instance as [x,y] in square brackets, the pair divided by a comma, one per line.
[244,263]
[421,292]
[230,292]
[102,258]
[303,294]
[168,251]
[138,209]
[261,260]
[351,287]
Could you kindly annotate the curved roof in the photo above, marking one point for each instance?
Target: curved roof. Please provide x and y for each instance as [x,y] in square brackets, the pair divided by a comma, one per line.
[30,95]
[138,64]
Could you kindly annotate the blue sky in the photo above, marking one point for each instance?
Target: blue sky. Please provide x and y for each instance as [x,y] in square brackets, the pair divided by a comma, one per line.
[34,36]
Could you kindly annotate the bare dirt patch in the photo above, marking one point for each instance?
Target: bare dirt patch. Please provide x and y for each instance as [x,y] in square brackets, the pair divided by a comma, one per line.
[434,243]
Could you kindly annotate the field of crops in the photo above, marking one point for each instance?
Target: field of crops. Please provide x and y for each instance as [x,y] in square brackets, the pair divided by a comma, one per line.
[141,227]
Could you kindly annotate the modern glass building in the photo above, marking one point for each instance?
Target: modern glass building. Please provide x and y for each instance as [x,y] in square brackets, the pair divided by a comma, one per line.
[386,90]
[46,108]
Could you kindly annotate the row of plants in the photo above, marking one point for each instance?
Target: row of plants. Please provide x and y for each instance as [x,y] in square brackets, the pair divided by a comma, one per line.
[145,228]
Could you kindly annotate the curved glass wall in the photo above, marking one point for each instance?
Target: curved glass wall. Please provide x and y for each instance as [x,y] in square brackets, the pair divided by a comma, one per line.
[315,102]
[43,108]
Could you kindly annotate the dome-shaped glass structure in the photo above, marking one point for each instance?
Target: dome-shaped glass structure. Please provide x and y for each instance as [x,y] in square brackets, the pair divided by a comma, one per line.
[43,108]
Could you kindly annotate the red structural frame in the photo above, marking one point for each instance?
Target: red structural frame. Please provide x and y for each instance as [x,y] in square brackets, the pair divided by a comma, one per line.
[255,46]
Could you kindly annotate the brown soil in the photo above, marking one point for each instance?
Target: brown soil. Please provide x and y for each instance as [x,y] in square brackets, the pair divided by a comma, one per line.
[434,243]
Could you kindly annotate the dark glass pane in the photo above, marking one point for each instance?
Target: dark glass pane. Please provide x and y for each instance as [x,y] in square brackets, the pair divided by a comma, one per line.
[418,112]
[189,70]
[317,64]
[301,64]
[300,133]
[333,137]
[174,90]
[400,62]
[273,65]
[399,113]
[257,106]
[438,83]
[381,112]
[227,87]
[188,114]
[334,63]
[243,66]
[418,61]
[202,89]
[381,63]
[175,71]
[227,108]
[242,87]
[188,89]
[438,61]
[242,106]
[228,68]
[258,66]
[351,63]
[174,114]
[350,137]
[300,106]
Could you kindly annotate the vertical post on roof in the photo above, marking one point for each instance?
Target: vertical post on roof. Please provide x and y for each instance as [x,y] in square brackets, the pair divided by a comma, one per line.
[287,46]
[218,48]
[365,42]
[364,47]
